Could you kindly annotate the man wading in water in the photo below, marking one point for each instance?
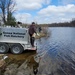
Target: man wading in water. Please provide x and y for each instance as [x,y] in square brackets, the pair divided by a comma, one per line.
[32,32]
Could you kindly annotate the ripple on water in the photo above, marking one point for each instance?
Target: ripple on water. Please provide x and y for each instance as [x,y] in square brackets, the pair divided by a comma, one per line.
[60,51]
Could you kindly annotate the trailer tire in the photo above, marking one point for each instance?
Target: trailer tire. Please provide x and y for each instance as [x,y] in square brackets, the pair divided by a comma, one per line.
[4,48]
[16,49]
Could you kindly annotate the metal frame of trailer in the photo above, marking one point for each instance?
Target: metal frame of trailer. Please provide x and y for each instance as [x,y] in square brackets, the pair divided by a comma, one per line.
[14,39]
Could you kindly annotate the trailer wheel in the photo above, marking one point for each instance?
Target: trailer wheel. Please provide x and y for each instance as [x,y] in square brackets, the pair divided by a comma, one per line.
[3,48]
[16,49]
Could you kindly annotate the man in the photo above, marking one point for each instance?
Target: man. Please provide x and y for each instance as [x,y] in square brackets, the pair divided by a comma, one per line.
[32,31]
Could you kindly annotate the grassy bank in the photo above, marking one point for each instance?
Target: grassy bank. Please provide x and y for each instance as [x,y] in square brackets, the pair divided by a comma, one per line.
[40,35]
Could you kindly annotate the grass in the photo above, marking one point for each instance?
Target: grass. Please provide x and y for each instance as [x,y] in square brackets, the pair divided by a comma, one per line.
[40,35]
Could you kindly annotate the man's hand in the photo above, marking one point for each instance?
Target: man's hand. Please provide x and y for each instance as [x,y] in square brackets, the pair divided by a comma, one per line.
[37,34]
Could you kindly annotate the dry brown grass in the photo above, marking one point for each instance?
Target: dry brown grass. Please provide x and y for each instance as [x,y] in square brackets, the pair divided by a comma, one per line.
[41,35]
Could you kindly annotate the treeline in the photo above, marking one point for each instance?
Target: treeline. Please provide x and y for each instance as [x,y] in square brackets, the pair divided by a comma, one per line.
[65,24]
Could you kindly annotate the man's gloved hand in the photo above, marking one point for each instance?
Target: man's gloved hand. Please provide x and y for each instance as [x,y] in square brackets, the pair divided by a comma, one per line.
[37,34]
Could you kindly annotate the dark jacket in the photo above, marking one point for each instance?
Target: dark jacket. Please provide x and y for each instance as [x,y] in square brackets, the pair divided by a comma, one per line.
[32,29]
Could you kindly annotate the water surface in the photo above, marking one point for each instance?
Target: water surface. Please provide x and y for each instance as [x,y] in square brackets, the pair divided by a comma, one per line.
[58,51]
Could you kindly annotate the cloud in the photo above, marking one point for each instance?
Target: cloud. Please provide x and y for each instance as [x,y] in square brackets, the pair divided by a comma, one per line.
[52,19]
[30,4]
[47,2]
[66,1]
[52,9]
[56,13]
[49,14]
[22,17]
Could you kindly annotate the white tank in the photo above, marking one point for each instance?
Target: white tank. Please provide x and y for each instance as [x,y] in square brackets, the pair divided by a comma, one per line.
[14,35]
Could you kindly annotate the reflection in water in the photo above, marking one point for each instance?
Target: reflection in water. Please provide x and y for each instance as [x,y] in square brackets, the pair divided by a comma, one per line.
[33,64]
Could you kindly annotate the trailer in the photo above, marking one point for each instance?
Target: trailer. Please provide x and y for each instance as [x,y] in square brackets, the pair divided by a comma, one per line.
[14,39]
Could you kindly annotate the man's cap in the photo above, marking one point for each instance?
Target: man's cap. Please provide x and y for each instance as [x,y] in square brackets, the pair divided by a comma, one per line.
[33,22]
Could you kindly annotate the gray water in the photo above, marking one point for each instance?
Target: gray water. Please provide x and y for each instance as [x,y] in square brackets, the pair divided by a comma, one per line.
[57,52]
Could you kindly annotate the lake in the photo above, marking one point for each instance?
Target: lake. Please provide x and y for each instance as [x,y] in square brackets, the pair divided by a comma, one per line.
[58,52]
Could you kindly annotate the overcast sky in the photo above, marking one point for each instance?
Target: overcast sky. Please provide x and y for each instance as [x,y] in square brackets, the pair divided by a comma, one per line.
[44,11]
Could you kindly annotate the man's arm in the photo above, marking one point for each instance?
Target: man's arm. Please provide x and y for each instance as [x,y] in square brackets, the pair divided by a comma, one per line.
[34,29]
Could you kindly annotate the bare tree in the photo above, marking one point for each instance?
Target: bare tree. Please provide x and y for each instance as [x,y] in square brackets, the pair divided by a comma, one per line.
[6,7]
[3,7]
[10,9]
